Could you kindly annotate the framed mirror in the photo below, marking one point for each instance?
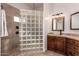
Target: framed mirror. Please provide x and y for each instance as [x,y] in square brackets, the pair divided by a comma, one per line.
[74,21]
[58,24]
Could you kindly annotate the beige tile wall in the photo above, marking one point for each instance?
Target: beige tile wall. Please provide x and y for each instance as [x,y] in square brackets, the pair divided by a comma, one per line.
[9,43]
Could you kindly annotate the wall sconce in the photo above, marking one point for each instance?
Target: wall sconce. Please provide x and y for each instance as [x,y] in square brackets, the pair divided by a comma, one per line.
[58,15]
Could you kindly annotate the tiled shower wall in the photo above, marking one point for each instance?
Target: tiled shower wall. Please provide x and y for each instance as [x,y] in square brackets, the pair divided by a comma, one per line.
[9,43]
[0,37]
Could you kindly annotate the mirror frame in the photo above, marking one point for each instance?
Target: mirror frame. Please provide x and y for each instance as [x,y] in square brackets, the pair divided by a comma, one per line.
[56,25]
[71,28]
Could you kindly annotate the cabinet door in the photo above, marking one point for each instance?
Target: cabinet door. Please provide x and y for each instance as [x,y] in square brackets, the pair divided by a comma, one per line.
[60,44]
[51,43]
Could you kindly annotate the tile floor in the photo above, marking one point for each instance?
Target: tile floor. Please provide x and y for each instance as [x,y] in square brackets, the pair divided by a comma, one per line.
[30,53]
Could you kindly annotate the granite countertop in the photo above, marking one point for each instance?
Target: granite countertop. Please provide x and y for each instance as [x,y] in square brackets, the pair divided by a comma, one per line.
[76,37]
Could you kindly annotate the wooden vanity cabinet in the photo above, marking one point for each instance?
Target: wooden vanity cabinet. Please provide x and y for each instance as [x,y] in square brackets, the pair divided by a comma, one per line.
[72,47]
[56,44]
[64,45]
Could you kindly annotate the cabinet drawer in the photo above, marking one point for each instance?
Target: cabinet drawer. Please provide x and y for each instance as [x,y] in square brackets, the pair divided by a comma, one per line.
[69,52]
[72,42]
[76,49]
[76,43]
[76,53]
[72,52]
[72,49]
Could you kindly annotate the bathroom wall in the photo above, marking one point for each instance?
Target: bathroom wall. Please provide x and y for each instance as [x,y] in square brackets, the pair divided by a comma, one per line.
[66,8]
[9,43]
[52,8]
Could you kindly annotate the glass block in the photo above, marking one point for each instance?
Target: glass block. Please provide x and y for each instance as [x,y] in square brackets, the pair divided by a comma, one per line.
[37,37]
[28,37]
[41,41]
[37,33]
[41,48]
[37,45]
[41,45]
[24,29]
[28,21]
[37,41]
[33,33]
[24,42]
[33,45]
[41,29]
[41,33]
[24,33]
[33,41]
[41,37]
[33,29]
[28,46]
[41,20]
[24,25]
[33,21]
[28,29]
[28,33]
[33,25]
[28,25]
[20,33]
[33,17]
[21,42]
[41,25]
[24,38]
[37,17]
[37,29]
[33,37]
[28,42]
[37,25]
[37,21]
[24,46]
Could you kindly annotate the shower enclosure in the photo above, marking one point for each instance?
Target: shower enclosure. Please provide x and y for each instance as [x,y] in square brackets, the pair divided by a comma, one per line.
[31,31]
[24,27]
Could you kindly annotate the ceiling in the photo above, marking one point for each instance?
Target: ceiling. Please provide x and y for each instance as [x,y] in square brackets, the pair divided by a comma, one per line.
[29,6]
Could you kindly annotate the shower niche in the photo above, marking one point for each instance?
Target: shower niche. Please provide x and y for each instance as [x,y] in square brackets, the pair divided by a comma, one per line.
[31,31]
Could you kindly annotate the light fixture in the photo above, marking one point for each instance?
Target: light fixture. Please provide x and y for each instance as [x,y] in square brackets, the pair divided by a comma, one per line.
[57,15]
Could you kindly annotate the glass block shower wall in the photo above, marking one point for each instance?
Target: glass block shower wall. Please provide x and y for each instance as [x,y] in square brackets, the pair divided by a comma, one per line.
[31,31]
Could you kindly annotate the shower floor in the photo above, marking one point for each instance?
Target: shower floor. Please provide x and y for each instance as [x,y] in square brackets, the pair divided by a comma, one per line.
[32,53]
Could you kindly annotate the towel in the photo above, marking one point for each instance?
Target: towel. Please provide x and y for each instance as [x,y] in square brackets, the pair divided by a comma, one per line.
[0,23]
[4,24]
